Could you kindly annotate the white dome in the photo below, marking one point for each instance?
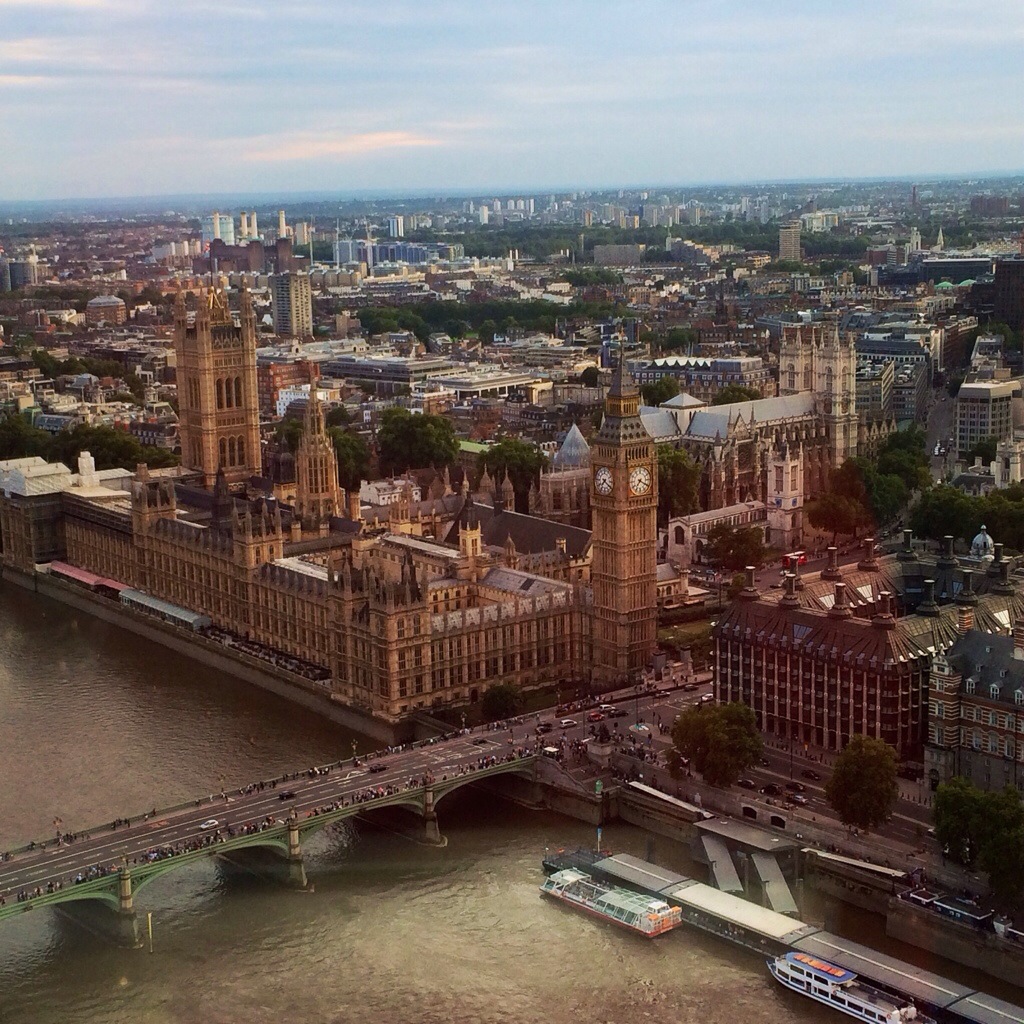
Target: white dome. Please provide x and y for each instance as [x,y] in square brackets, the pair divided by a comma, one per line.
[982,546]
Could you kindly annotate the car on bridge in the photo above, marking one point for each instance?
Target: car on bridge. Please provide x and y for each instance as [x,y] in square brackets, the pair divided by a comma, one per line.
[288,794]
[378,767]
[209,823]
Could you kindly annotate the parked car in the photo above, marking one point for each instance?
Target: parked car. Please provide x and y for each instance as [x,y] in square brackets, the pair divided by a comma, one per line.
[746,783]
[770,789]
[810,773]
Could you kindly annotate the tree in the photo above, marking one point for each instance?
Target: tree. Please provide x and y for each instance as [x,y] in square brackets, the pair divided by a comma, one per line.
[407,441]
[521,460]
[985,449]
[660,391]
[735,393]
[832,512]
[721,741]
[19,440]
[678,483]
[501,700]
[732,549]
[590,376]
[679,338]
[289,433]
[353,458]
[863,788]
[959,824]
[337,416]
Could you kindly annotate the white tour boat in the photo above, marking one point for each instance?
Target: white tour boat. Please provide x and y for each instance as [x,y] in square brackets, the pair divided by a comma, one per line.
[842,989]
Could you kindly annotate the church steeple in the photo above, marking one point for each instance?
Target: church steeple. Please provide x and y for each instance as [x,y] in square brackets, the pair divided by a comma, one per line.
[317,494]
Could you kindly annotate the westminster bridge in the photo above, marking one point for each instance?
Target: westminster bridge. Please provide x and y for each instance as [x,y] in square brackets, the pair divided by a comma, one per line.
[101,869]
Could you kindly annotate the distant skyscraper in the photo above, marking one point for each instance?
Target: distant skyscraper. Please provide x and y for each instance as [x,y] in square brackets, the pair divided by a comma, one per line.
[396,226]
[292,300]
[484,214]
[789,241]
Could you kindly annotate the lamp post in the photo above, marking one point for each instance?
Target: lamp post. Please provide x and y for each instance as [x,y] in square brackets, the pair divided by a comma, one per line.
[353,750]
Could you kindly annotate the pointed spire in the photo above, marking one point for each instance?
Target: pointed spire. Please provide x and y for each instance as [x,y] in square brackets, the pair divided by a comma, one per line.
[623,385]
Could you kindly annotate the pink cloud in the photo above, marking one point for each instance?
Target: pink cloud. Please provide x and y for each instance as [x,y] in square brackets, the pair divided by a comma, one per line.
[310,146]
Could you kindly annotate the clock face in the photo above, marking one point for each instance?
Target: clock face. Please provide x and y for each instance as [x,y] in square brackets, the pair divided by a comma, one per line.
[603,480]
[640,480]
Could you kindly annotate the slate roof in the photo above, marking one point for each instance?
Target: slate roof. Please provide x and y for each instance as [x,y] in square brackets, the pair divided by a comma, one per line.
[988,661]
[720,419]
[530,534]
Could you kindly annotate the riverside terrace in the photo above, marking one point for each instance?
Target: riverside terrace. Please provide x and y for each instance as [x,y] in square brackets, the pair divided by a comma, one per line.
[103,867]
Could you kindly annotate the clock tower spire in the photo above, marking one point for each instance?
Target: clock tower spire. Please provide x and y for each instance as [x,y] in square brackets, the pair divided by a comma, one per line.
[625,537]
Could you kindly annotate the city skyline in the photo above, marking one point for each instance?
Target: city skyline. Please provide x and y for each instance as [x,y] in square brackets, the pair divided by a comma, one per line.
[468,98]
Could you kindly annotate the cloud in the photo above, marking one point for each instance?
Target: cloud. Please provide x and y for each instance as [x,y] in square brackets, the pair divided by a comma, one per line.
[312,146]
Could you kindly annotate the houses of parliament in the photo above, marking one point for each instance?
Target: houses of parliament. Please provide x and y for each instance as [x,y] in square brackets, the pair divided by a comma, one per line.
[426,609]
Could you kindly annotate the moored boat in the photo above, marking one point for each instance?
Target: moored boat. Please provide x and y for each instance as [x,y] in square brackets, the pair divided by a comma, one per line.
[842,989]
[641,914]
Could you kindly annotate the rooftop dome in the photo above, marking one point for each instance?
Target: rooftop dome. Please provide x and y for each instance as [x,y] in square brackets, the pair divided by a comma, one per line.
[574,452]
[982,546]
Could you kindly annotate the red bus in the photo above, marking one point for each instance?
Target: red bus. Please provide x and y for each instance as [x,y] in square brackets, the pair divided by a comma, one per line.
[793,559]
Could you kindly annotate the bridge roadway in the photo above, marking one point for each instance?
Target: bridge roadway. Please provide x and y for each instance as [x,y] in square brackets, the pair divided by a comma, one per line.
[109,863]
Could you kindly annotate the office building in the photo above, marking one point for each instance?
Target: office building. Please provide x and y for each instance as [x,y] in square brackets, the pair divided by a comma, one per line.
[985,408]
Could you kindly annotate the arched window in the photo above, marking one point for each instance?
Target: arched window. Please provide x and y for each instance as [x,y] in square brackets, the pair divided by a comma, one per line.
[241,451]
[229,400]
[680,535]
[220,393]
[231,451]
[791,377]
[828,381]
[223,452]
[238,391]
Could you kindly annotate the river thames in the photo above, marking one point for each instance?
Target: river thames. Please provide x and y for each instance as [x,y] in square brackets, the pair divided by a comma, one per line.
[95,723]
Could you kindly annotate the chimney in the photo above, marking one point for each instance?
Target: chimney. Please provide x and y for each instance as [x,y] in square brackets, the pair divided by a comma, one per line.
[947,557]
[883,618]
[966,601]
[868,563]
[928,605]
[282,227]
[1005,584]
[994,567]
[831,571]
[253,229]
[750,591]
[841,609]
[789,598]
[907,553]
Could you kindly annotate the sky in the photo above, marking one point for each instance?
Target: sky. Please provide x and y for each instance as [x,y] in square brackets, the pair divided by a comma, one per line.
[157,97]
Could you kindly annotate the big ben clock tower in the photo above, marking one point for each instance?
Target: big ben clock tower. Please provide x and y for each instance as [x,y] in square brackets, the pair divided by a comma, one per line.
[624,505]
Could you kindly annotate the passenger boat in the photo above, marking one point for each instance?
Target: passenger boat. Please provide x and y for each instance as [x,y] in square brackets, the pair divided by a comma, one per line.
[638,913]
[842,989]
